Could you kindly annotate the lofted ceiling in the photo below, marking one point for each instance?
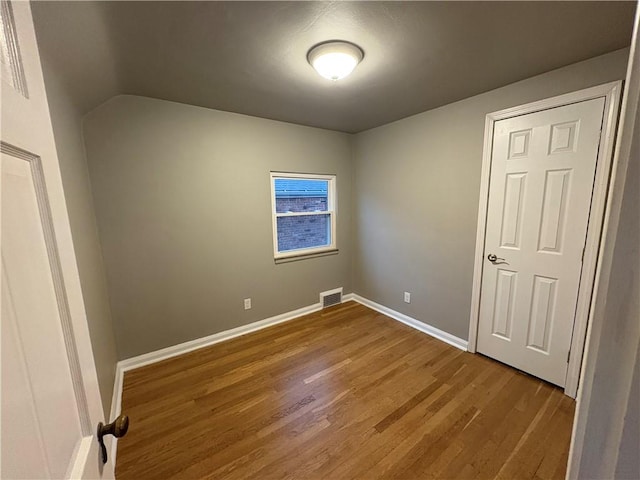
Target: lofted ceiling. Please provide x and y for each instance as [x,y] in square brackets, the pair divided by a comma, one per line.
[250,57]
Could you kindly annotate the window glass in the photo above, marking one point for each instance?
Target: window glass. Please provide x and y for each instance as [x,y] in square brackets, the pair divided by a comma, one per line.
[304,231]
[301,195]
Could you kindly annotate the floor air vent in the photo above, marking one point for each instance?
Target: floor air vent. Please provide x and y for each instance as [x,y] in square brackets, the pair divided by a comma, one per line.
[331,297]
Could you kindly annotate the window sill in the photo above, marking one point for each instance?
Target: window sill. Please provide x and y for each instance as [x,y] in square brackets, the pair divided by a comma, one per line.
[304,256]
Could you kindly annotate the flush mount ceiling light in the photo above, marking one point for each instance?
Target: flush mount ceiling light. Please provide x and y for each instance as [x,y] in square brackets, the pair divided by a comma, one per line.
[336,59]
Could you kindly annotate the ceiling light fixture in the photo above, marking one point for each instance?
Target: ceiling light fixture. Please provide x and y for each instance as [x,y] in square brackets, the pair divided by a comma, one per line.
[335,59]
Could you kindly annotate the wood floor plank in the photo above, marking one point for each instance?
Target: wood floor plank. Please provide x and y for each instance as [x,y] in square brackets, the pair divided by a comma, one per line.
[341,393]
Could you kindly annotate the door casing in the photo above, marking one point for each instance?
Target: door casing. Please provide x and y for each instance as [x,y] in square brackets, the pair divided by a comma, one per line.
[611,93]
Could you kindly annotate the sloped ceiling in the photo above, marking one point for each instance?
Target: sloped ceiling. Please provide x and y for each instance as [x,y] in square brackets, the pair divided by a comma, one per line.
[250,57]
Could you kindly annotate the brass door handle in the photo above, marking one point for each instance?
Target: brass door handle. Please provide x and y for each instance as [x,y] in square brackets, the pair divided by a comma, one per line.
[118,428]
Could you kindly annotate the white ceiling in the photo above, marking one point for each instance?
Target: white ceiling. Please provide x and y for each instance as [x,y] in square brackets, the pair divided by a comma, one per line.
[250,57]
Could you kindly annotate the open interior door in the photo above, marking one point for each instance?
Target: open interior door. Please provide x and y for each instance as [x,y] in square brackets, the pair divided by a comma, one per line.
[50,398]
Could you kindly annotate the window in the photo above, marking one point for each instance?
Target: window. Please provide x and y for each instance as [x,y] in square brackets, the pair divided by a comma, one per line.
[304,214]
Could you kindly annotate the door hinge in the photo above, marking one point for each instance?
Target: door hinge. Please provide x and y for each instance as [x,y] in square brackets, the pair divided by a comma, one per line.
[568,355]
[584,248]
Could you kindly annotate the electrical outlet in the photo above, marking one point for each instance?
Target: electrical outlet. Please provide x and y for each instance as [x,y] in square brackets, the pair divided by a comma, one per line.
[407,297]
[247,303]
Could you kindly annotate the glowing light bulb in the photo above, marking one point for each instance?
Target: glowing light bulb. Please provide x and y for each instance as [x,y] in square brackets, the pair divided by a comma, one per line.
[335,60]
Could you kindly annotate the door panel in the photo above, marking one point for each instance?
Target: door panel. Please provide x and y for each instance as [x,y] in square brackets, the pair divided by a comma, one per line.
[554,210]
[542,173]
[22,425]
[542,308]
[512,214]
[504,304]
[41,382]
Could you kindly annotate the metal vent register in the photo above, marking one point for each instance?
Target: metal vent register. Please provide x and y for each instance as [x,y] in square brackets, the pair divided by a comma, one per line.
[331,297]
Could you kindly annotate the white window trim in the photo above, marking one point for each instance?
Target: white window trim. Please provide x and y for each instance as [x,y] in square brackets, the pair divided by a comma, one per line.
[331,211]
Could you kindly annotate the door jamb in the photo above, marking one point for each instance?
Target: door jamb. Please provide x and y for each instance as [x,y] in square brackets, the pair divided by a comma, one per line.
[611,93]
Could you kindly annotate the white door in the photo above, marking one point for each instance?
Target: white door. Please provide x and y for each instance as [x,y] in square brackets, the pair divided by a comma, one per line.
[542,175]
[50,398]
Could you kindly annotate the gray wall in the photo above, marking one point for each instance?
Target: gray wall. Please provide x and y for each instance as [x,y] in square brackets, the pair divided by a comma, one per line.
[182,199]
[607,427]
[416,188]
[67,129]
[68,102]
[628,461]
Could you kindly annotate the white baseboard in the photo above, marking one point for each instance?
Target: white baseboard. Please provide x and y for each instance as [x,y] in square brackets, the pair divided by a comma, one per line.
[181,348]
[412,322]
[175,350]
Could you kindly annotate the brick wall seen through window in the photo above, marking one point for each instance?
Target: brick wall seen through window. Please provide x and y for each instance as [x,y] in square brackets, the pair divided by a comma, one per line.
[303,213]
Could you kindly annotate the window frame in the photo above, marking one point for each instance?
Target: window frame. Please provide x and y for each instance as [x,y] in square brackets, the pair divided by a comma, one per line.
[331,211]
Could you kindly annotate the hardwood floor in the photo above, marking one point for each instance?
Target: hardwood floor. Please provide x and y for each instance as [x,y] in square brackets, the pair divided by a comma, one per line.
[342,393]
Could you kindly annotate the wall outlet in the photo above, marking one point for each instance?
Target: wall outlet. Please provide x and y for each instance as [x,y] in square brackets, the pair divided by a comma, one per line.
[407,297]
[247,303]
